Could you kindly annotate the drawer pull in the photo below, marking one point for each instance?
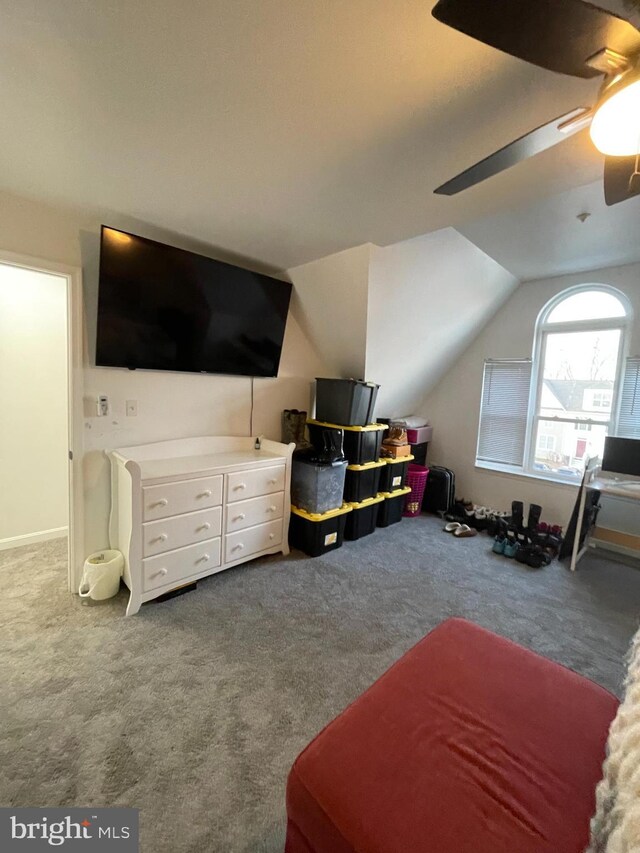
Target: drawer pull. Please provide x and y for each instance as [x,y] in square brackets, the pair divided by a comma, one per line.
[240,486]
[272,536]
[161,538]
[159,574]
[272,481]
[205,558]
[204,526]
[238,547]
[272,508]
[239,517]
[162,502]
[205,494]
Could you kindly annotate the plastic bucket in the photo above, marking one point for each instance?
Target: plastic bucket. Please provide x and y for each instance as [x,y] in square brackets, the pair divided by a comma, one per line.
[101,575]
[416,480]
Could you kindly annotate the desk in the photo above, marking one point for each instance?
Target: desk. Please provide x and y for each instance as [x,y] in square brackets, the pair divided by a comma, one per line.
[618,487]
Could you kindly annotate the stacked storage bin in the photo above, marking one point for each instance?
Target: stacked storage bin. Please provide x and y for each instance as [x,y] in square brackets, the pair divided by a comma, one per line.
[318,514]
[373,490]
[394,489]
[348,405]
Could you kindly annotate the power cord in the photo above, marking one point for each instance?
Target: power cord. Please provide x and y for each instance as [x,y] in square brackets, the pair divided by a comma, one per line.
[251,411]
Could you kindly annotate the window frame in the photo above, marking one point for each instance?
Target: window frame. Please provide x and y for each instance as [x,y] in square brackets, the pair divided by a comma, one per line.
[542,330]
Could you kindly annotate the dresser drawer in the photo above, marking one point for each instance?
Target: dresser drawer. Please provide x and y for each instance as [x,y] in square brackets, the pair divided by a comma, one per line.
[177,498]
[180,565]
[241,514]
[169,533]
[261,481]
[252,540]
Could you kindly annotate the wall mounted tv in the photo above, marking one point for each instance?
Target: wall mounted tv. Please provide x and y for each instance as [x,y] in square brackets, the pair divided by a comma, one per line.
[162,308]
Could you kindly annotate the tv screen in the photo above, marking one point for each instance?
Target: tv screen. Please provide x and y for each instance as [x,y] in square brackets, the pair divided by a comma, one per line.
[162,308]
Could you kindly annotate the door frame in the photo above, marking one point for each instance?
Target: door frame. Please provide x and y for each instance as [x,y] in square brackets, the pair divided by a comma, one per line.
[75,399]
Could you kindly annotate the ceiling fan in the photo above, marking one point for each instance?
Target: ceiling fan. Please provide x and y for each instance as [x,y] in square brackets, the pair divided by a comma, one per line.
[570,37]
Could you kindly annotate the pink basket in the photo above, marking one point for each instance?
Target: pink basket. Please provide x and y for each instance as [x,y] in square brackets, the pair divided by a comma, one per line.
[416,480]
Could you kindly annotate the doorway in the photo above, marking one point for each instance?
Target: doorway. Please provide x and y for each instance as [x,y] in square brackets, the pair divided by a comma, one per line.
[40,370]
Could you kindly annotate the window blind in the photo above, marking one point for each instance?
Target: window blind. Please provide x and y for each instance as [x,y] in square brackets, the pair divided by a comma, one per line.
[503,411]
[629,420]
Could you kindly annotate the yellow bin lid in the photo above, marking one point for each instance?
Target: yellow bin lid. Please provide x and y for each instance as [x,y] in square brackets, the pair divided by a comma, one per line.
[396,494]
[398,459]
[321,516]
[367,466]
[367,428]
[368,502]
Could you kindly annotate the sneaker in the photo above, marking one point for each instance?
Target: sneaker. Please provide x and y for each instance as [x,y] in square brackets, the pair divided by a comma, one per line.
[498,545]
[511,548]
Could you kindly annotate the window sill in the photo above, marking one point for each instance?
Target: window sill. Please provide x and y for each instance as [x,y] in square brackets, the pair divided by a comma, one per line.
[506,471]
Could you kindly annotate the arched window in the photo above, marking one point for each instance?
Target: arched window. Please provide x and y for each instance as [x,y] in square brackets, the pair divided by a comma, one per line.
[577,364]
[544,416]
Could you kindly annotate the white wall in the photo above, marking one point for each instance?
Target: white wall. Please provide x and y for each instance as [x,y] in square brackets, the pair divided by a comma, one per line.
[33,419]
[169,405]
[332,294]
[428,299]
[454,405]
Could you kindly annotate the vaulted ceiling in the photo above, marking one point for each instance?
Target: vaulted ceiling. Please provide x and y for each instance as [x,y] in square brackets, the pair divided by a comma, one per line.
[282,130]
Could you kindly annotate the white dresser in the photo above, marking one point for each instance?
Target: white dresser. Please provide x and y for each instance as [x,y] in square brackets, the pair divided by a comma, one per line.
[184,509]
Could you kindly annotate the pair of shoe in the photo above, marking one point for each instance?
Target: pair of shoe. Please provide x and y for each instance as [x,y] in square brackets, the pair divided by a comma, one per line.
[533,556]
[517,517]
[508,547]
[460,531]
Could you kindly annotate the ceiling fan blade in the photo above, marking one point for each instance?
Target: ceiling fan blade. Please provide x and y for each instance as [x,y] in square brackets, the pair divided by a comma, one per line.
[526,146]
[620,182]
[560,36]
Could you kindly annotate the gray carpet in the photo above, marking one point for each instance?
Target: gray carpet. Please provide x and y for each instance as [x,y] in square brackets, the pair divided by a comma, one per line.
[194,710]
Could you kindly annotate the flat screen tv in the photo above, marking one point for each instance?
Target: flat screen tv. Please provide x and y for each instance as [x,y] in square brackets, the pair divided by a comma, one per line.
[162,308]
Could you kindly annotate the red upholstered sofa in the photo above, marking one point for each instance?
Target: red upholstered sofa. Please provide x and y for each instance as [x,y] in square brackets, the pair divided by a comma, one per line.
[468,743]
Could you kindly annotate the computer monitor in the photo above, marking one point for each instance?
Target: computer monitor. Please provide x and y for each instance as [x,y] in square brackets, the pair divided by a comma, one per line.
[621,456]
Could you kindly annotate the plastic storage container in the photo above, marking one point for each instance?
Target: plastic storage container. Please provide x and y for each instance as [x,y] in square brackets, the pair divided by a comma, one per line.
[394,474]
[390,512]
[362,520]
[419,452]
[317,534]
[361,443]
[345,401]
[362,481]
[416,480]
[317,487]
[421,435]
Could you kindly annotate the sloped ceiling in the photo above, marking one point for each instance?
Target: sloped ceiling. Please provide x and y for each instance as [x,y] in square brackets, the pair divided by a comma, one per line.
[546,238]
[281,130]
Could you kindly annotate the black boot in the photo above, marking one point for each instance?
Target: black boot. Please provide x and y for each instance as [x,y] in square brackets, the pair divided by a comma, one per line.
[535,511]
[517,512]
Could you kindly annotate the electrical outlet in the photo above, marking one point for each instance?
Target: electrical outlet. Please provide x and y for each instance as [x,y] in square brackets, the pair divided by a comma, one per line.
[132,408]
[102,406]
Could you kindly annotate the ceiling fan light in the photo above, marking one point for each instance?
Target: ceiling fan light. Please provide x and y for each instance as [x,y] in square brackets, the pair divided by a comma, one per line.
[615,129]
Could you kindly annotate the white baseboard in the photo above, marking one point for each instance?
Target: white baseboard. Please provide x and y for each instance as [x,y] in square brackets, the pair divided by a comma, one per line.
[32,538]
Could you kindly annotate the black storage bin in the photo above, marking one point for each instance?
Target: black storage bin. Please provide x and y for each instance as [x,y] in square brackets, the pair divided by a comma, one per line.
[390,511]
[362,481]
[345,401]
[362,520]
[361,443]
[394,475]
[420,453]
[317,534]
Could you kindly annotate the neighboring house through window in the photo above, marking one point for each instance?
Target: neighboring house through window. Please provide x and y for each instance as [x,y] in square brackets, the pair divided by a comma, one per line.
[572,385]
